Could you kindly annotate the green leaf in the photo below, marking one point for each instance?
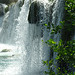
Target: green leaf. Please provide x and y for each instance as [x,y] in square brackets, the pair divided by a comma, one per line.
[42,40]
[52,32]
[45,24]
[53,42]
[51,61]
[57,58]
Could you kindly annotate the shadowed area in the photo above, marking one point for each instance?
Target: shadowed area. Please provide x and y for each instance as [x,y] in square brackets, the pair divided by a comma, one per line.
[7,1]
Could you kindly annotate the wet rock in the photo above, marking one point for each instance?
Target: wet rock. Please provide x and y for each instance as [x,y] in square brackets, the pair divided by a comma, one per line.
[1,10]
[33,16]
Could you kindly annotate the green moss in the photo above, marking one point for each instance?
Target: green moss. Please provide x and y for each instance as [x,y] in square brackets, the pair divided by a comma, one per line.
[6,50]
[6,9]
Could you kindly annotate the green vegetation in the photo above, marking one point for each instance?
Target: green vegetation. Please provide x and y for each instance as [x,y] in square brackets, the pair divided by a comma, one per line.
[65,48]
[54,29]
[65,56]
[69,20]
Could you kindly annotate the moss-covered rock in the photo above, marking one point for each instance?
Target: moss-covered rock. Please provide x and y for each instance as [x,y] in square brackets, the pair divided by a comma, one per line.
[6,50]
[6,9]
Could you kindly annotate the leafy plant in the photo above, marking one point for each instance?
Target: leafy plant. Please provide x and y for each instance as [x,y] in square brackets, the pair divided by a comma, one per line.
[65,47]
[54,29]
[66,53]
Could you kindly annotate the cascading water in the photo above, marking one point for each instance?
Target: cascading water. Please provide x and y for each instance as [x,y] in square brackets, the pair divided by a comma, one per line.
[23,31]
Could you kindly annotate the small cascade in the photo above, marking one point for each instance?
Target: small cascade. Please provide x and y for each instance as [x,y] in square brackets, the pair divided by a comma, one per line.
[9,21]
[1,14]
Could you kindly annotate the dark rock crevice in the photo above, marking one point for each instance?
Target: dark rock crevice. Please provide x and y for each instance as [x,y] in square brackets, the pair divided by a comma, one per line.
[33,16]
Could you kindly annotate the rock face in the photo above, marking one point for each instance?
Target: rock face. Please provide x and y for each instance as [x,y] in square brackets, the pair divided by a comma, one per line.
[1,10]
[7,1]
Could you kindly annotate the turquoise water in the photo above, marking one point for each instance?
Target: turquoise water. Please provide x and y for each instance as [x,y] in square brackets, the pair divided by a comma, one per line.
[10,65]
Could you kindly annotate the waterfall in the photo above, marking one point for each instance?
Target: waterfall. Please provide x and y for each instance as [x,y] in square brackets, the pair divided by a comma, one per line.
[23,31]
